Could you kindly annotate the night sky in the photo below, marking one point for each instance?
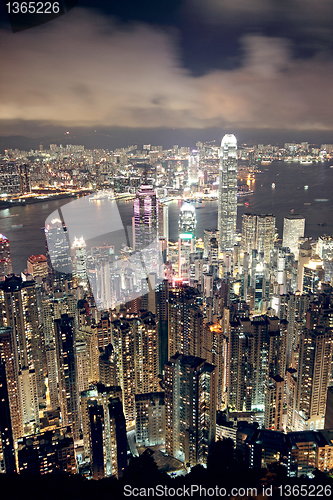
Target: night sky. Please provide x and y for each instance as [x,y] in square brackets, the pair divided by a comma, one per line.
[250,66]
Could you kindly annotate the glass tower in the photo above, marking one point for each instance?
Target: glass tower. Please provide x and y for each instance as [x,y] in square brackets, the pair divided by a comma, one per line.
[227,201]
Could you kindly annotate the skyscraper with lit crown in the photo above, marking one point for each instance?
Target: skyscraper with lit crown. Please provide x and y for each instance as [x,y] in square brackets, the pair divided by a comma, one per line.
[227,200]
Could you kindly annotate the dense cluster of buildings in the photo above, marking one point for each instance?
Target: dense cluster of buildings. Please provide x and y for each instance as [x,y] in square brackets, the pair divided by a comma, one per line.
[177,344]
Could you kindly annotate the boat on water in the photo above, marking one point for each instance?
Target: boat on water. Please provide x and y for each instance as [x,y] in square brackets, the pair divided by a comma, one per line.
[247,204]
[273,185]
[307,203]
[16,226]
[306,187]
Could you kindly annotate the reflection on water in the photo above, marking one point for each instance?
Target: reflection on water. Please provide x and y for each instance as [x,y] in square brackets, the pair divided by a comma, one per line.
[314,203]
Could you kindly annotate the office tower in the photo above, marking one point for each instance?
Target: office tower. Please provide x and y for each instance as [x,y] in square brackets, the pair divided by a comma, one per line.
[315,362]
[293,230]
[80,262]
[146,354]
[18,305]
[265,236]
[150,419]
[163,224]
[193,168]
[67,372]
[258,232]
[249,233]
[58,252]
[208,235]
[7,460]
[48,453]
[145,219]
[190,408]
[25,179]
[227,202]
[313,275]
[186,239]
[37,266]
[185,322]
[5,259]
[104,430]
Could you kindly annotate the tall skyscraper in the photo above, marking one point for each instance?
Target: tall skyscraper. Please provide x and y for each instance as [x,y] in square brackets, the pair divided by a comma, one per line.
[5,259]
[227,202]
[67,372]
[190,408]
[18,310]
[315,363]
[193,168]
[186,239]
[249,233]
[265,235]
[293,230]
[145,218]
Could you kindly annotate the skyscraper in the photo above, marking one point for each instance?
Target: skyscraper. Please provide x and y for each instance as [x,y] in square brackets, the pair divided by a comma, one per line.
[186,239]
[190,408]
[227,201]
[5,259]
[193,168]
[293,230]
[145,218]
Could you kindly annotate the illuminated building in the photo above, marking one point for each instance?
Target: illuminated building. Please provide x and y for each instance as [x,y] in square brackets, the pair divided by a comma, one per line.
[208,235]
[5,259]
[18,304]
[315,362]
[80,261]
[190,408]
[47,453]
[145,218]
[193,168]
[325,252]
[258,233]
[293,230]
[313,275]
[67,372]
[186,239]
[227,201]
[58,251]
[25,179]
[265,236]
[104,430]
[185,322]
[7,460]
[150,419]
[274,403]
[37,266]
[135,343]
[163,226]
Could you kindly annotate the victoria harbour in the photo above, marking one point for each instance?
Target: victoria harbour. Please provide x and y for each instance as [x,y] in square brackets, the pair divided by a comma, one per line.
[299,189]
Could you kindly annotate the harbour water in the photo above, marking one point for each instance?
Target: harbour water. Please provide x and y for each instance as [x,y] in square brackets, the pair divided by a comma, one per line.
[24,225]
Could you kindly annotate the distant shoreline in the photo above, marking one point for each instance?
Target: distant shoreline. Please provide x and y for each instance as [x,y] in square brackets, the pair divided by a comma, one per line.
[31,201]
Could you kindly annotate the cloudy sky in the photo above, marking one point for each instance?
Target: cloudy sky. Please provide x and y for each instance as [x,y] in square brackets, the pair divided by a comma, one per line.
[233,65]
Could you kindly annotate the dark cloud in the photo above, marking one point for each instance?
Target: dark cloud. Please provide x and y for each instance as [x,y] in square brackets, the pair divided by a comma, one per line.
[83,70]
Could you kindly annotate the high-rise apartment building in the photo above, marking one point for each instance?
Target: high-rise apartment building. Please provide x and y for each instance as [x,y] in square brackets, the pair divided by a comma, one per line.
[37,266]
[18,310]
[227,201]
[5,258]
[315,363]
[193,168]
[190,408]
[67,372]
[293,230]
